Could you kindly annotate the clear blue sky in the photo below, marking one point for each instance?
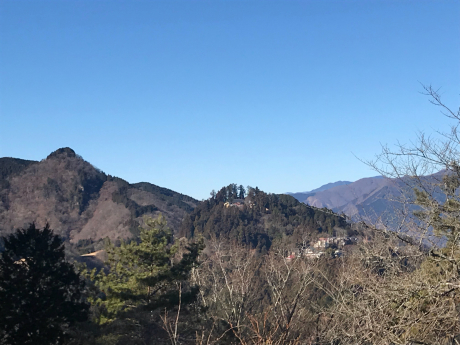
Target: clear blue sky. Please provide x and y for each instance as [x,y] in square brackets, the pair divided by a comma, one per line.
[194,95]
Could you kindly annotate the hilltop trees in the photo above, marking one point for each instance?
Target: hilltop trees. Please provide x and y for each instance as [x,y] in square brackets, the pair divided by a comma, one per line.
[258,221]
[40,293]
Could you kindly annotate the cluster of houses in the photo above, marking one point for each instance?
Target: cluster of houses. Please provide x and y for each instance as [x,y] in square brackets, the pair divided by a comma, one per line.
[239,203]
[317,250]
[326,242]
[235,203]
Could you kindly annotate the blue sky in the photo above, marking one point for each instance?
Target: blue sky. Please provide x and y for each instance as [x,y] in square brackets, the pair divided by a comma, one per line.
[194,95]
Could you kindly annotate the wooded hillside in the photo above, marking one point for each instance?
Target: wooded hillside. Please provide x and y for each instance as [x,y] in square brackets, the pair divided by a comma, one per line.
[79,201]
[259,219]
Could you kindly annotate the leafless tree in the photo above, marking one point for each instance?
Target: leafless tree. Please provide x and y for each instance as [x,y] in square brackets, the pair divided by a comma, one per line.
[227,284]
[262,300]
[288,280]
[405,285]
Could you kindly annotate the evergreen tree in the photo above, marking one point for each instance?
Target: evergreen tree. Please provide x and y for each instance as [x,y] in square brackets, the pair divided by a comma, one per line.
[234,190]
[241,192]
[145,273]
[40,293]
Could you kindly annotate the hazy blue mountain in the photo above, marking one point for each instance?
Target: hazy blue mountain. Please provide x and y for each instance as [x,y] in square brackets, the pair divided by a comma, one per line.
[366,199]
[374,197]
[363,197]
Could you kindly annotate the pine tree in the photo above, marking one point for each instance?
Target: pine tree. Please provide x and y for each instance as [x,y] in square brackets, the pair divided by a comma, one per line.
[40,293]
[145,273]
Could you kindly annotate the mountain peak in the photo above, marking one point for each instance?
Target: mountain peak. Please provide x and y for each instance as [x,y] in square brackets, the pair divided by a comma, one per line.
[62,152]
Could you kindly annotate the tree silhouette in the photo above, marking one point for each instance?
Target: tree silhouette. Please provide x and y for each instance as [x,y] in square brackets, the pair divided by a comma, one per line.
[40,293]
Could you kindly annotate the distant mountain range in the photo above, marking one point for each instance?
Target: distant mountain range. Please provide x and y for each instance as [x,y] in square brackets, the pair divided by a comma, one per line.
[367,198]
[79,201]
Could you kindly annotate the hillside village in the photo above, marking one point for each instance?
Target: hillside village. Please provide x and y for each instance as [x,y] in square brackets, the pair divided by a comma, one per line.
[318,248]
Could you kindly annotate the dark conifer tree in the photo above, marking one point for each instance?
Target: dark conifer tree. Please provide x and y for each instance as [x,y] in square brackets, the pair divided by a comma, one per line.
[221,195]
[234,189]
[241,191]
[40,292]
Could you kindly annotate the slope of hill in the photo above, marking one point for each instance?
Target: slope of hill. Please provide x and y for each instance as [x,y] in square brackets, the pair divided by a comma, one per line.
[79,201]
[261,218]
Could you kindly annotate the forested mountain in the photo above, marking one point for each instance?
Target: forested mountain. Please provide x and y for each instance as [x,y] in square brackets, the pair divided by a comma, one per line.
[79,201]
[83,203]
[259,219]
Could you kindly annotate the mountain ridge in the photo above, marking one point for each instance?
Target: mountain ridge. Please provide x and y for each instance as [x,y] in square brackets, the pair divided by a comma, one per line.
[79,201]
[302,196]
